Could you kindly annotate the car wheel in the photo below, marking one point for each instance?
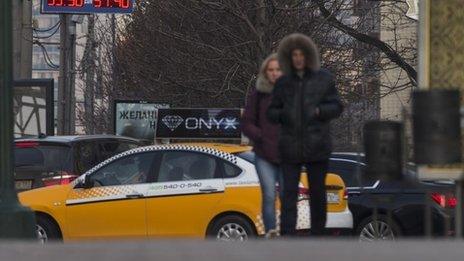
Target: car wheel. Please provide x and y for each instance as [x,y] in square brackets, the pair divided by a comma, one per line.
[231,228]
[381,229]
[46,230]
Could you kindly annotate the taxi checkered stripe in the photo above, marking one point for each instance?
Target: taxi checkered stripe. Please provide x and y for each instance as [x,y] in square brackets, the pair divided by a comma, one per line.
[303,218]
[226,156]
[100,192]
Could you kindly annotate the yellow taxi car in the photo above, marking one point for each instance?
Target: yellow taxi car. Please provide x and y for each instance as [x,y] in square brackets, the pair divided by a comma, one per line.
[194,190]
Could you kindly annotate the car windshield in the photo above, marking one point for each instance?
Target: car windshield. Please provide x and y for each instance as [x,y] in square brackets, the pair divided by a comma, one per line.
[44,157]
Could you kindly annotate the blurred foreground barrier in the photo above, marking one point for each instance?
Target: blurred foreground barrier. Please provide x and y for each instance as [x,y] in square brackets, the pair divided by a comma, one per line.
[437,130]
[437,143]
[384,150]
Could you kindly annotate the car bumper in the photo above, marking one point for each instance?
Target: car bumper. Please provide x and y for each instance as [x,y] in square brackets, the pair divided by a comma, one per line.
[338,220]
[443,223]
[338,223]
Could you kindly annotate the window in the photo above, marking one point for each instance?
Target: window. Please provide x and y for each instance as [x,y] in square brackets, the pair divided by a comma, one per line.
[184,165]
[348,171]
[247,155]
[86,156]
[133,169]
[230,170]
[43,157]
[113,147]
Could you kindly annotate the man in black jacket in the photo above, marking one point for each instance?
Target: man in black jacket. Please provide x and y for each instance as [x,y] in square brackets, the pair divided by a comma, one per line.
[304,101]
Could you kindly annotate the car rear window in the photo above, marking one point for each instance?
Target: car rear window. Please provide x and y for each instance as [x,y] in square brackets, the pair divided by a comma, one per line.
[44,157]
[230,170]
[110,148]
[88,154]
[351,172]
[85,156]
[247,155]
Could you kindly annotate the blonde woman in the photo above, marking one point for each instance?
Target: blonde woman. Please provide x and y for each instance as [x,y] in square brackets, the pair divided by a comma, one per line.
[264,134]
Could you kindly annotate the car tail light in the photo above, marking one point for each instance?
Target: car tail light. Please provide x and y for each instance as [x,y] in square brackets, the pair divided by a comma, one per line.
[26,144]
[345,194]
[444,201]
[302,191]
[62,179]
[439,199]
[451,202]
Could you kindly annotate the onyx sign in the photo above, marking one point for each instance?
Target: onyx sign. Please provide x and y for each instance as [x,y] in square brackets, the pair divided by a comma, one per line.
[199,123]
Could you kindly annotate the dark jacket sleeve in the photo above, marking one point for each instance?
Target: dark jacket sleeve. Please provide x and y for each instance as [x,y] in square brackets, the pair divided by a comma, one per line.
[274,112]
[331,107]
[249,120]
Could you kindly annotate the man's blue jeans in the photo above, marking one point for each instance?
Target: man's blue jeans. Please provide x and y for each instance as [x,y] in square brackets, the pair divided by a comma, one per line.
[269,174]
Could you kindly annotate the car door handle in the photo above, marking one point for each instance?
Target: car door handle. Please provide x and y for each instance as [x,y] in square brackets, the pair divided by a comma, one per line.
[208,190]
[134,196]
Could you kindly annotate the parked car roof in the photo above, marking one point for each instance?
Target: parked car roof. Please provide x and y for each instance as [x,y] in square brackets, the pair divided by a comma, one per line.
[349,156]
[74,138]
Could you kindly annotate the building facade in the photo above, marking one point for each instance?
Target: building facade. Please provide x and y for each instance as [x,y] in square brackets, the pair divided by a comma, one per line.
[400,32]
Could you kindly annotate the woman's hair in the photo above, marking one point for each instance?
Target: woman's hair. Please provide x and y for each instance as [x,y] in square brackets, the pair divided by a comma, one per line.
[265,64]
[262,83]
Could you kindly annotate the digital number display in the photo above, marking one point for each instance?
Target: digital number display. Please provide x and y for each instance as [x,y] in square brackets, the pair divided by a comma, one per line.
[69,3]
[86,6]
[111,3]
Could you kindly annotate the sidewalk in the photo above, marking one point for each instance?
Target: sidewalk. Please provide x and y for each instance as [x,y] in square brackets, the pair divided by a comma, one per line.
[255,250]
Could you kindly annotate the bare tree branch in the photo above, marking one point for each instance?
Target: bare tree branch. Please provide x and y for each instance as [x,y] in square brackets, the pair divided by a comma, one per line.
[385,48]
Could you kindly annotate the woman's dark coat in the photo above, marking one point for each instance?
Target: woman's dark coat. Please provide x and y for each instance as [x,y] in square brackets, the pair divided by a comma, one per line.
[255,124]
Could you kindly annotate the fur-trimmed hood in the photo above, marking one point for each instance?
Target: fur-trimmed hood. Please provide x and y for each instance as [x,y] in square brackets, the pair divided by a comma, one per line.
[262,83]
[302,42]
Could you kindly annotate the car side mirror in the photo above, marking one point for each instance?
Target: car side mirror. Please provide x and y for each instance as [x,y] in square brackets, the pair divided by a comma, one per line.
[88,182]
[85,184]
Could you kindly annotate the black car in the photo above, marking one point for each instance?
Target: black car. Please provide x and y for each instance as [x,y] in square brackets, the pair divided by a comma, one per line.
[386,210]
[54,160]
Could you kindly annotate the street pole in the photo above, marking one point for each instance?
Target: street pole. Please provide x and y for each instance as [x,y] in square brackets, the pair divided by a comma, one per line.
[26,41]
[17,39]
[71,99]
[62,79]
[16,221]
[66,87]
[22,39]
[90,71]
